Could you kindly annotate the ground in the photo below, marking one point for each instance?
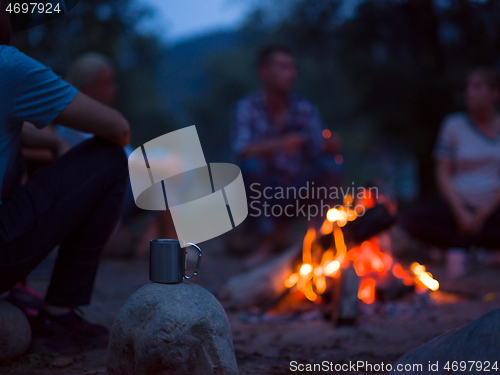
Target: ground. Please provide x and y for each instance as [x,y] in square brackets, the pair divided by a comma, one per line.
[268,347]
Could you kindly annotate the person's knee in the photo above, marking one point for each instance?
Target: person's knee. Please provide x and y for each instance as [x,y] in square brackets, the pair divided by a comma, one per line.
[108,157]
[118,159]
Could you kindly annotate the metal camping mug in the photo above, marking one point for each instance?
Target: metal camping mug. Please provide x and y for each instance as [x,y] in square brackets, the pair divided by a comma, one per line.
[167,261]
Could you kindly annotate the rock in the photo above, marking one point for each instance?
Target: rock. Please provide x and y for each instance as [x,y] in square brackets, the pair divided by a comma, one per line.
[173,329]
[62,361]
[15,331]
[476,341]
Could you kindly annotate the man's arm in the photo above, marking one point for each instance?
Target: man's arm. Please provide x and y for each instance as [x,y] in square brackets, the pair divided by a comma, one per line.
[241,135]
[88,115]
[288,143]
[33,138]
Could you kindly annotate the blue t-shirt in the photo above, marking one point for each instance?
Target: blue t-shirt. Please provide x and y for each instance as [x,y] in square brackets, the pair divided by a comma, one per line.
[29,91]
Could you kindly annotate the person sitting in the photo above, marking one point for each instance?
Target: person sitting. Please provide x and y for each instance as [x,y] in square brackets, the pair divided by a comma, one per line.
[277,138]
[73,202]
[467,154]
[94,74]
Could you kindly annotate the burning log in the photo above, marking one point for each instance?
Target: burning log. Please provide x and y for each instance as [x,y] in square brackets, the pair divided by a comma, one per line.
[343,305]
[392,289]
[349,297]
[374,221]
[262,284]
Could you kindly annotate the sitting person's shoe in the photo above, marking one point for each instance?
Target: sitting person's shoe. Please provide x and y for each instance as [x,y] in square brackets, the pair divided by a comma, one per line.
[27,299]
[71,322]
[68,333]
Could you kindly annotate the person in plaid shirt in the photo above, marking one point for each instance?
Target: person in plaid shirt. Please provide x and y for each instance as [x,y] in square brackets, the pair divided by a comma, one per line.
[278,140]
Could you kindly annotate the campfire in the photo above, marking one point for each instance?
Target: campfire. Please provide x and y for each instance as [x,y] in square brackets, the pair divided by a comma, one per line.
[338,263]
[371,263]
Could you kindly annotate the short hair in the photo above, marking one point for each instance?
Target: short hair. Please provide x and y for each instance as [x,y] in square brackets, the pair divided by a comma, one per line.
[489,74]
[268,51]
[86,68]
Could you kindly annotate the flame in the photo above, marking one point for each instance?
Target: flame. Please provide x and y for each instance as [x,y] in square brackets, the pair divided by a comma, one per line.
[320,284]
[400,273]
[338,236]
[368,260]
[332,215]
[348,200]
[307,245]
[331,268]
[292,280]
[306,269]
[326,228]
[309,293]
[424,277]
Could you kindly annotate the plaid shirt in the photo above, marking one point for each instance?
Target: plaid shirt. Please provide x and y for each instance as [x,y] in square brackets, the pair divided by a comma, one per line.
[251,123]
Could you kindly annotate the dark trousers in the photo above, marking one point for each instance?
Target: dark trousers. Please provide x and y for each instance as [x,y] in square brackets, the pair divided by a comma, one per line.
[432,221]
[74,202]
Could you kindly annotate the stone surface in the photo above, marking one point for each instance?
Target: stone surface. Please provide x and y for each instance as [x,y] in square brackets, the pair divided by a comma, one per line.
[174,329]
[15,331]
[476,341]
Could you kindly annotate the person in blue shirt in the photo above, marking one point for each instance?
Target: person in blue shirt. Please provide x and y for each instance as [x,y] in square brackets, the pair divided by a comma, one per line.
[74,202]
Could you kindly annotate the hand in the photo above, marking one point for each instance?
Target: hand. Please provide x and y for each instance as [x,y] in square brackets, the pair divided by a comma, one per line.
[468,223]
[292,142]
[482,216]
[62,148]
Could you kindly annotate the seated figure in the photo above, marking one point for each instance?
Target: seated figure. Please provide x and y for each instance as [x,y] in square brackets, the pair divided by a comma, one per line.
[467,154]
[279,141]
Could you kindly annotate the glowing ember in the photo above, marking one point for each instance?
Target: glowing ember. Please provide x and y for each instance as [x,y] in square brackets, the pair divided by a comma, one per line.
[366,291]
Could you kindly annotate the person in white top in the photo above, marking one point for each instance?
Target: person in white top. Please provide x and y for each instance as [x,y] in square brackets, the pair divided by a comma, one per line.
[467,155]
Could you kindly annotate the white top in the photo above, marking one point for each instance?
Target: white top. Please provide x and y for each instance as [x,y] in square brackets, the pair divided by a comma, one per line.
[475,157]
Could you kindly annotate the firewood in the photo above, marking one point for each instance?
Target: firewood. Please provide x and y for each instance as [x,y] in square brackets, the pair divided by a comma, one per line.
[348,312]
[262,284]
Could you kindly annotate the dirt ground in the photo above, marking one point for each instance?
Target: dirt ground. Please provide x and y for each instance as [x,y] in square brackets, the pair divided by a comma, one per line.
[382,334]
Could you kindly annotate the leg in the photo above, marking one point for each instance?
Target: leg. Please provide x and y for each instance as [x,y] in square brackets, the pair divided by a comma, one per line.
[256,177]
[74,202]
[489,237]
[433,222]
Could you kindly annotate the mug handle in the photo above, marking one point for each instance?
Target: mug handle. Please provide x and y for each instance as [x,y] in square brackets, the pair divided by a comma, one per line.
[198,262]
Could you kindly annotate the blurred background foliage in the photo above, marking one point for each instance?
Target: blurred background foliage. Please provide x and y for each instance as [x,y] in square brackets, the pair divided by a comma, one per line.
[383,73]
